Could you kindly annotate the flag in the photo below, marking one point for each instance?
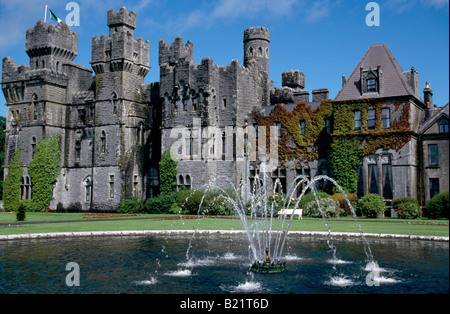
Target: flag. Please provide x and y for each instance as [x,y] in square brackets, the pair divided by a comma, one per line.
[54,17]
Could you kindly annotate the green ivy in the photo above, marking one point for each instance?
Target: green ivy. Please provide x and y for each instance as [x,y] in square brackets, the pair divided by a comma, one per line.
[167,173]
[11,186]
[44,170]
[345,156]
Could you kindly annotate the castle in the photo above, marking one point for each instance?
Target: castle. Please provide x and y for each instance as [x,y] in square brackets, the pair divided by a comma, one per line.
[112,127]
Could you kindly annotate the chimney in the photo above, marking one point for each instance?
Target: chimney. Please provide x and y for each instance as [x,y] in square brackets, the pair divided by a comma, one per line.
[428,95]
[428,100]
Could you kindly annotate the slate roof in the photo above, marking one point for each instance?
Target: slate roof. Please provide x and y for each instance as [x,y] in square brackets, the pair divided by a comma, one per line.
[434,118]
[393,81]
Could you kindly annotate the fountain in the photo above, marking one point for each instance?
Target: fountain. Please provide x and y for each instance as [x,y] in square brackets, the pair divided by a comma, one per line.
[267,233]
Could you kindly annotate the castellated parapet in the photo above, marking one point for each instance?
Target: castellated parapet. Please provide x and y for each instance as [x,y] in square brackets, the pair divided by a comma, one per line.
[121,21]
[293,79]
[177,51]
[120,51]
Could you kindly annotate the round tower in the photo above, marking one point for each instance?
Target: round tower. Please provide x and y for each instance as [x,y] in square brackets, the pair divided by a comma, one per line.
[256,47]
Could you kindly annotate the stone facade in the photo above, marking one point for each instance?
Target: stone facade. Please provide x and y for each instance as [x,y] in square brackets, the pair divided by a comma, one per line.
[112,127]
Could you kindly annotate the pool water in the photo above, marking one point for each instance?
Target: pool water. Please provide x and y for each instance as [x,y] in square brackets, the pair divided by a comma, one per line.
[218,264]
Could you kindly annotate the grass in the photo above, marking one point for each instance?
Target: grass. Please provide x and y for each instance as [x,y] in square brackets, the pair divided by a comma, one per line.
[347,224]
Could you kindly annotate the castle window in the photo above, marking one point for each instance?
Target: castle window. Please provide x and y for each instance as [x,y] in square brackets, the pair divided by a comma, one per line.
[82,116]
[386,118]
[26,188]
[302,127]
[279,129]
[194,104]
[224,103]
[434,187]
[135,184]
[114,103]
[328,126]
[302,171]
[111,186]
[33,147]
[87,189]
[103,143]
[443,126]
[357,120]
[57,66]
[371,119]
[433,155]
[177,105]
[34,104]
[185,105]
[43,64]
[77,151]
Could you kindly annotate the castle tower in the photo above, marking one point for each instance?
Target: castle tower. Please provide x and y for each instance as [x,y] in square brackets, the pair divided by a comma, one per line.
[50,46]
[120,52]
[256,47]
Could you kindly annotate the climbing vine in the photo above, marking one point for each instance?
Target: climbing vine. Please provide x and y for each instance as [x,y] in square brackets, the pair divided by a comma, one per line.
[167,172]
[344,145]
[43,170]
[11,186]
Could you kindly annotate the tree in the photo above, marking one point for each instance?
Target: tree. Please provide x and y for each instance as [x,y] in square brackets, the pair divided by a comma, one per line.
[44,170]
[167,172]
[13,181]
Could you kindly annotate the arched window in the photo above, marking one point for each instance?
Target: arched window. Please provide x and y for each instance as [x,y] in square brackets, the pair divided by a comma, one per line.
[57,66]
[34,106]
[114,103]
[103,143]
[87,189]
[33,147]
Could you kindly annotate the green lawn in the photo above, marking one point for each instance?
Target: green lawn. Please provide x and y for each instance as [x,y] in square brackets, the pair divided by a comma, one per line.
[347,224]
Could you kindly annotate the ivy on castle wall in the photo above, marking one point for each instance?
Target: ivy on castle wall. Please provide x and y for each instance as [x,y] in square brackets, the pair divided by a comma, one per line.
[44,170]
[11,186]
[293,144]
[345,146]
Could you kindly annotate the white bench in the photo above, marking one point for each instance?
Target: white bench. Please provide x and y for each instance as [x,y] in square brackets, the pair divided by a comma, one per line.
[286,211]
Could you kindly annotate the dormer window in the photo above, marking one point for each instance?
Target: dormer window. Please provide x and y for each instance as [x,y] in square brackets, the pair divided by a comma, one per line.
[370,80]
[443,126]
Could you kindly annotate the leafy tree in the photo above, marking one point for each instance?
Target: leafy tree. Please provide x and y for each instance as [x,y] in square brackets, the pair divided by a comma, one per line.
[167,172]
[13,181]
[44,170]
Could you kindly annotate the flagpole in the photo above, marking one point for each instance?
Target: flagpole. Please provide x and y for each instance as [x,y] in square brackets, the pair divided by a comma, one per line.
[45,15]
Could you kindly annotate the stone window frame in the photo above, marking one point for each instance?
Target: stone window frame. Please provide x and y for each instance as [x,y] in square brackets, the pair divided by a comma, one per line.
[184,181]
[111,184]
[34,106]
[103,145]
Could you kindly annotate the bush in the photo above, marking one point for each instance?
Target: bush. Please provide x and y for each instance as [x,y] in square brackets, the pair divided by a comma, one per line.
[438,206]
[192,202]
[371,205]
[21,212]
[219,203]
[328,206]
[409,210]
[308,198]
[403,200]
[160,204]
[134,205]
[343,203]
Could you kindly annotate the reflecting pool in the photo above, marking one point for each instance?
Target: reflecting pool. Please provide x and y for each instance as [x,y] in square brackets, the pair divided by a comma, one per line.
[219,264]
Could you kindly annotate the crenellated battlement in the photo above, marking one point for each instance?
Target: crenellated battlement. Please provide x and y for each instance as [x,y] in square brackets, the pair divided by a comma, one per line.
[259,32]
[293,79]
[171,54]
[120,51]
[121,21]
[47,39]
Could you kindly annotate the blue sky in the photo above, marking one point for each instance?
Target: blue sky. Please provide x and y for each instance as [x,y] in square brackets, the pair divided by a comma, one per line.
[324,39]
